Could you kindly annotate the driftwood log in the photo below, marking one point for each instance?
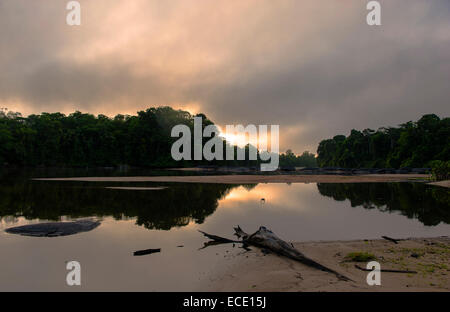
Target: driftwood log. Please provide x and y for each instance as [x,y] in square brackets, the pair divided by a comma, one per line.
[266,239]
[394,240]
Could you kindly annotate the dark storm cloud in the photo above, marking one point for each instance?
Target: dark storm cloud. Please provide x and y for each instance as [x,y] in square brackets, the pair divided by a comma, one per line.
[314,67]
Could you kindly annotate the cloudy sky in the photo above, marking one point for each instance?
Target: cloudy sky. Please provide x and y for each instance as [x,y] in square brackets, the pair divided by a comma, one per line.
[313,67]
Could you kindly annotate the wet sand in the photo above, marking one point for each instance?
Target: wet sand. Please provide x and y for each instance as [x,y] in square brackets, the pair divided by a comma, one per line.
[250,179]
[256,271]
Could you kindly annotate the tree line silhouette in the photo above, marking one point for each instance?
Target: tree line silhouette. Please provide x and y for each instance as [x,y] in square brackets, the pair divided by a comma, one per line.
[85,140]
[412,144]
[144,140]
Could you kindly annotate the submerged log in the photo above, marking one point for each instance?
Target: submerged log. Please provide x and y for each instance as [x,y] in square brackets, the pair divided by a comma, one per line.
[146,252]
[266,239]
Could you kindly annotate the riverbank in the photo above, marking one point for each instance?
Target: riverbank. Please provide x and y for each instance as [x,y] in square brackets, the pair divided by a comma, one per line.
[251,179]
[445,183]
[257,271]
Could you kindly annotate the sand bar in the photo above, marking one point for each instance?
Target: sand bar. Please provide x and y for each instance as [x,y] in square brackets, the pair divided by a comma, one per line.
[256,271]
[249,179]
[445,183]
[135,188]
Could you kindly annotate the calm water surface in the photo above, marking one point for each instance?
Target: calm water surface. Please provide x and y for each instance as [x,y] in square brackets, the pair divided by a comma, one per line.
[141,219]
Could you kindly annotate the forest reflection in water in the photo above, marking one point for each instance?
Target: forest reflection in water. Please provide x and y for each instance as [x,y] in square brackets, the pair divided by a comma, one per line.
[429,204]
[181,203]
[169,219]
[161,209]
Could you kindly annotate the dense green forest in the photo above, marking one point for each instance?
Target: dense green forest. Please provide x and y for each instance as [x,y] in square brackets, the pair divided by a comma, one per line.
[143,140]
[53,139]
[289,159]
[80,140]
[412,144]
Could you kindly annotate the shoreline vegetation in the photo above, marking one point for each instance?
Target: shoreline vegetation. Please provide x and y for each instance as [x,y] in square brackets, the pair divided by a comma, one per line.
[412,144]
[84,140]
[81,140]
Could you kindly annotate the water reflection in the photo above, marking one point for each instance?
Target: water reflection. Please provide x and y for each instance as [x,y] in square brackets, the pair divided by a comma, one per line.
[138,220]
[163,206]
[174,206]
[429,204]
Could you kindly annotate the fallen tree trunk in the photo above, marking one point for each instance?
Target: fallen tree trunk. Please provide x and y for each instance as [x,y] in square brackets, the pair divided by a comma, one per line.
[394,240]
[265,238]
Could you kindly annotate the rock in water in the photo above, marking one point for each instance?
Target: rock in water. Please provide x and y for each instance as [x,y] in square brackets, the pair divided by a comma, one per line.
[53,229]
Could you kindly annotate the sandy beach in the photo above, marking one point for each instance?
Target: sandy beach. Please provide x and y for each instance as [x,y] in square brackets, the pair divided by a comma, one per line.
[257,271]
[250,179]
[445,183]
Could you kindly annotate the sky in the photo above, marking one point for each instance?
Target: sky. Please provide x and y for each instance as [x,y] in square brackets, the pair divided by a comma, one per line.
[313,67]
